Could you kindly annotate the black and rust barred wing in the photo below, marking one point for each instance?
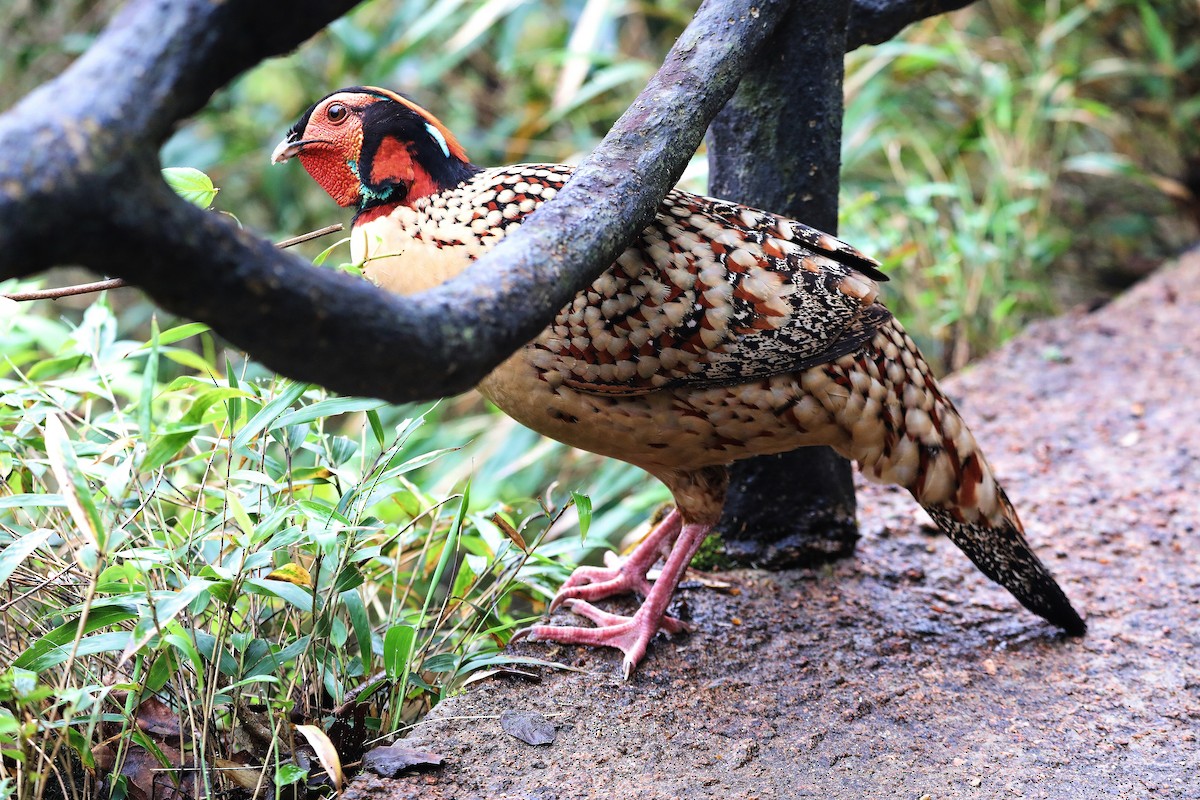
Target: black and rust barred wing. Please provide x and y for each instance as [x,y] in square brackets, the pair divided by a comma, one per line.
[713,293]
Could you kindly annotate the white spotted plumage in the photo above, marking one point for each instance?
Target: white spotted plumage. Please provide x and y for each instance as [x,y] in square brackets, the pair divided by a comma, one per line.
[722,332]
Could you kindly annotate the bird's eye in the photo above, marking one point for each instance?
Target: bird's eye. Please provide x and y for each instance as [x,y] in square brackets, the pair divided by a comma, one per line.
[336,112]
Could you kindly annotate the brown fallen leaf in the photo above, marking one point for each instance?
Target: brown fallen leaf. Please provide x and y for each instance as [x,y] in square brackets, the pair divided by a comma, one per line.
[244,776]
[154,716]
[146,777]
[528,726]
[390,760]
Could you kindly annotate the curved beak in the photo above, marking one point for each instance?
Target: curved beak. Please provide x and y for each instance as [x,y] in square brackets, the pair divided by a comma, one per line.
[289,148]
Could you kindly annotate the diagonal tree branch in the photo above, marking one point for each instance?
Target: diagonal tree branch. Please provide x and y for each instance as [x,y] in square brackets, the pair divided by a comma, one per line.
[66,145]
[103,204]
[79,183]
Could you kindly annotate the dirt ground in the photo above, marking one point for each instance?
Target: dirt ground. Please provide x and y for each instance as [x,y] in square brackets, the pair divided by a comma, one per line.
[903,672]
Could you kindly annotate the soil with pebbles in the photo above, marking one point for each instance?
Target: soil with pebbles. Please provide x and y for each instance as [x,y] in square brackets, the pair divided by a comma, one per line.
[903,672]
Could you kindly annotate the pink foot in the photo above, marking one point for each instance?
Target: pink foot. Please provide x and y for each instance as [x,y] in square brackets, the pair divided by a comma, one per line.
[597,583]
[630,635]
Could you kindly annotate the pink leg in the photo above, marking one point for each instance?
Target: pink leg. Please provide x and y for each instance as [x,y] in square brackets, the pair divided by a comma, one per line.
[631,635]
[596,583]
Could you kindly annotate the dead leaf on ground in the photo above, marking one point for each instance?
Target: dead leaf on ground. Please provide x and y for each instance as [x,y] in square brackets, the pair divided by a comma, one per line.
[390,760]
[155,716]
[147,779]
[528,726]
[246,777]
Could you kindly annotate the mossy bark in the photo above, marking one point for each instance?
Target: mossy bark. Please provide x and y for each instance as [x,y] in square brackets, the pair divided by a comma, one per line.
[777,145]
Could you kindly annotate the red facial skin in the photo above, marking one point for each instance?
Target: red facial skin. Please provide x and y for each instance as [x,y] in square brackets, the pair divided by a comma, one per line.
[333,141]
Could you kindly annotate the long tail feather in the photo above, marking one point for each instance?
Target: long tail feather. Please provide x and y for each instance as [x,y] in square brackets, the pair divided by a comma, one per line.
[904,430]
[1001,552]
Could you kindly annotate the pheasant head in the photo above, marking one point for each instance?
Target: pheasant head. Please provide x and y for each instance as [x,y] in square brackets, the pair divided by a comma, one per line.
[370,147]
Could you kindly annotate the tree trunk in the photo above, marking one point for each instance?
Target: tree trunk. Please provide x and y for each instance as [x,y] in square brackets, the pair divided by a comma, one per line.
[777,146]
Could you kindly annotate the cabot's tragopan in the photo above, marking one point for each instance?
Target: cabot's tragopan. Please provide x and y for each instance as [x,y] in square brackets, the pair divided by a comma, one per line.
[723,332]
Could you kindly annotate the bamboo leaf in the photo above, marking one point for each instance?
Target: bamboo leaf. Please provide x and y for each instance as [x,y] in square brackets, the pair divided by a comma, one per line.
[15,553]
[166,607]
[33,501]
[73,484]
[583,506]
[397,649]
[330,407]
[267,414]
[361,623]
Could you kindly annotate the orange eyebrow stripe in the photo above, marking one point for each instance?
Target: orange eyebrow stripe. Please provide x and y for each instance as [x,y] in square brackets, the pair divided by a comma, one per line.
[456,149]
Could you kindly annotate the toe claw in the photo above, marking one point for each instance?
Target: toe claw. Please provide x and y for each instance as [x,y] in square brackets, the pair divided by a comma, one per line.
[597,583]
[630,635]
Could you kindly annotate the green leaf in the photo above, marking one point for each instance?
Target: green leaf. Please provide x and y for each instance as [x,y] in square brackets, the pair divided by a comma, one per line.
[39,656]
[348,579]
[330,407]
[208,646]
[191,184]
[416,462]
[268,413]
[176,334]
[73,484]
[149,382]
[583,505]
[441,662]
[397,648]
[297,596]
[82,746]
[180,641]
[287,774]
[167,606]
[324,254]
[342,449]
[16,552]
[360,621]
[163,667]
[377,428]
[274,662]
[54,654]
[33,501]
[48,368]
[166,446]
[186,358]
[239,514]
[448,550]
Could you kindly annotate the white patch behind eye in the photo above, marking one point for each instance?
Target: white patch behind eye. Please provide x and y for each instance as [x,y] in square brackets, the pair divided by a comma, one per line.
[437,135]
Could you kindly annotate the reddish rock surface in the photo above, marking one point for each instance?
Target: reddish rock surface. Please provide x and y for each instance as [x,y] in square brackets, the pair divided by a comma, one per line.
[903,672]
